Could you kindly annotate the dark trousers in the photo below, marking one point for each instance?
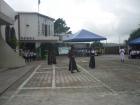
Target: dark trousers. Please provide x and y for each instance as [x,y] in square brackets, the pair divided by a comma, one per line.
[92,62]
[72,65]
[51,59]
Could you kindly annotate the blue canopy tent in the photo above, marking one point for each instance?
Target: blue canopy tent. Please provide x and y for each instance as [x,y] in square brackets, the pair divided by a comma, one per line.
[135,42]
[83,36]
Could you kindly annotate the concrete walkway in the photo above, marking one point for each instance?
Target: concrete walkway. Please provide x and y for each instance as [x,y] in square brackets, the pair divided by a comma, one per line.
[9,76]
[110,83]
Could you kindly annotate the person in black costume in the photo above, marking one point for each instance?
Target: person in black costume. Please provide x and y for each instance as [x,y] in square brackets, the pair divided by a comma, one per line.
[92,58]
[51,55]
[72,62]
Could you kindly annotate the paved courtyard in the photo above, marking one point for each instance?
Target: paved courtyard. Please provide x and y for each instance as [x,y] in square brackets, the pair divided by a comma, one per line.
[110,83]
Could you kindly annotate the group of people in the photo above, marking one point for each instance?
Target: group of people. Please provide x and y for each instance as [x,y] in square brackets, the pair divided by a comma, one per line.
[134,53]
[29,55]
[72,62]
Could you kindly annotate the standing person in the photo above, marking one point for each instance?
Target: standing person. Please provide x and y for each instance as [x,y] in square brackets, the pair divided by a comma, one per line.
[29,56]
[122,52]
[25,56]
[50,56]
[72,62]
[34,56]
[92,58]
[53,56]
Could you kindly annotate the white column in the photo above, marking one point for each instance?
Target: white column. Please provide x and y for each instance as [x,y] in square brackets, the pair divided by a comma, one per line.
[37,44]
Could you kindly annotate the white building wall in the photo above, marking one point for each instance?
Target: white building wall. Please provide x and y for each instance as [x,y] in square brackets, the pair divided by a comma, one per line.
[50,23]
[3,31]
[16,29]
[28,25]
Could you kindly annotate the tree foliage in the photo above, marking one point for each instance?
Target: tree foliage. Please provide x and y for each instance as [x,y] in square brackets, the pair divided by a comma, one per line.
[135,34]
[7,34]
[13,42]
[61,27]
[10,37]
[97,44]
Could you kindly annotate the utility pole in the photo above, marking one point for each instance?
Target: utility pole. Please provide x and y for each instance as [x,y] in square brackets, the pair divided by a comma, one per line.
[38,18]
[119,42]
[38,4]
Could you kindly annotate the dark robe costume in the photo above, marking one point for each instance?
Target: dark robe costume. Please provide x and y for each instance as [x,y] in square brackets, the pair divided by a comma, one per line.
[92,59]
[51,55]
[72,62]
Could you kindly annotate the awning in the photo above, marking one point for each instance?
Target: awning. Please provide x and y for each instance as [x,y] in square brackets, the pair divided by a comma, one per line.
[135,41]
[83,36]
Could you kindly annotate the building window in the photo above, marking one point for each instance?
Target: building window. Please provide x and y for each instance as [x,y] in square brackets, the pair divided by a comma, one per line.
[46,30]
[49,30]
[43,29]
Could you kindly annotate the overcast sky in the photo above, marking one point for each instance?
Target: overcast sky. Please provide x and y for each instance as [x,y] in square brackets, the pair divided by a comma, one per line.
[114,19]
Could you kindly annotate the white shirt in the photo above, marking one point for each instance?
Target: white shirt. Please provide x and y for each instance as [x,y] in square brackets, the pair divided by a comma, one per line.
[92,51]
[121,51]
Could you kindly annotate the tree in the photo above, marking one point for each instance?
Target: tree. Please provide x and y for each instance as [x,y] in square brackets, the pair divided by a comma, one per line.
[13,40]
[125,42]
[61,27]
[135,34]
[10,37]
[7,34]
[97,44]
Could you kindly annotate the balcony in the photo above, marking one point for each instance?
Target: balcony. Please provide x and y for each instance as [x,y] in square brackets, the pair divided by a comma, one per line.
[40,38]
[7,14]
